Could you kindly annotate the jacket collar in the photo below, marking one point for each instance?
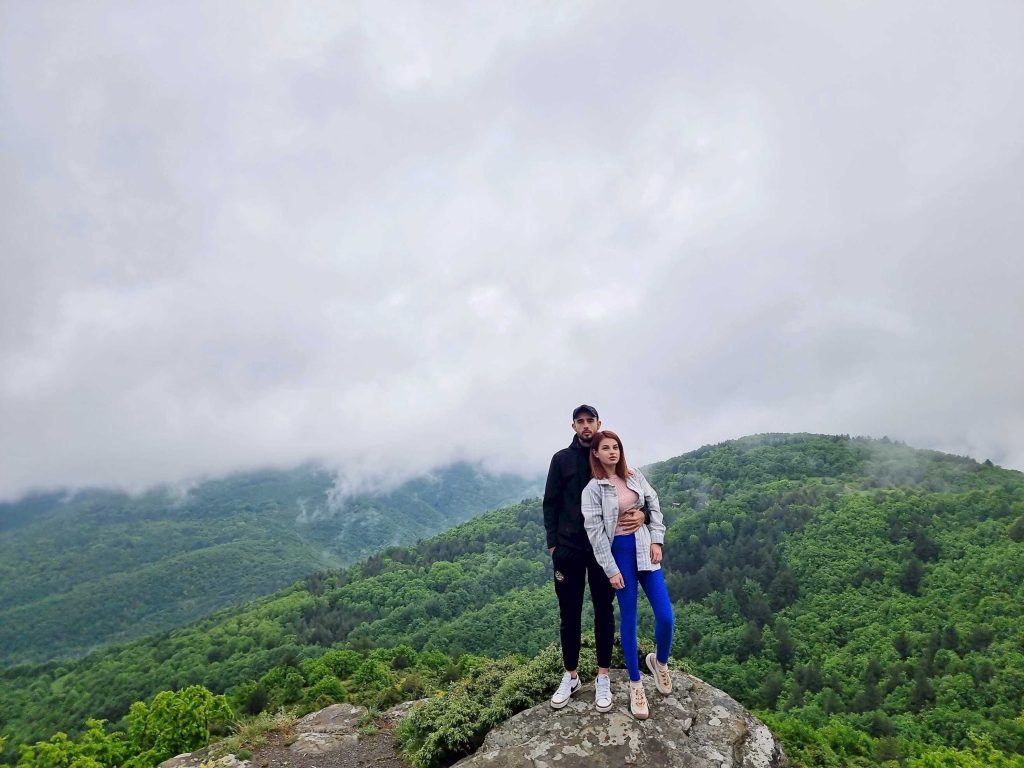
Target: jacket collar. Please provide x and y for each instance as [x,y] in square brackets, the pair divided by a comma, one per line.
[629,481]
[577,444]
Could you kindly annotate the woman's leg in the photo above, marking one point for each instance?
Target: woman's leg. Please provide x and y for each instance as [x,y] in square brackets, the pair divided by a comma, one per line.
[624,552]
[653,584]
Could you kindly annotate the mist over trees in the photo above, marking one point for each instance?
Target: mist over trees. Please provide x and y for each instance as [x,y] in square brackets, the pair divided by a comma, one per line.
[103,566]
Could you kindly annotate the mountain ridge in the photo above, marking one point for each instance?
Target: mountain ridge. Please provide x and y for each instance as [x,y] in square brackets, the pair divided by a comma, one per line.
[769,537]
[99,566]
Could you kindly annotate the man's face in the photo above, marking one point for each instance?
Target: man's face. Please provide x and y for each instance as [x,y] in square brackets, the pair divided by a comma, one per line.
[585,425]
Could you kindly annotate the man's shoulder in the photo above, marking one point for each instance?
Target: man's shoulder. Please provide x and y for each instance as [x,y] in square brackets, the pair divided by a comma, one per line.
[569,450]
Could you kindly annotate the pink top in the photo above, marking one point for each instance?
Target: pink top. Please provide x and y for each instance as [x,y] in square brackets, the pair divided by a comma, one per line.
[627,499]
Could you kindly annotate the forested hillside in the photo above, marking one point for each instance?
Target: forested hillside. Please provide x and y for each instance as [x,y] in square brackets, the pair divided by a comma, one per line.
[101,566]
[867,597]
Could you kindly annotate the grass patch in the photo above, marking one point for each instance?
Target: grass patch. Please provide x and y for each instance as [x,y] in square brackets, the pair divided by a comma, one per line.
[249,733]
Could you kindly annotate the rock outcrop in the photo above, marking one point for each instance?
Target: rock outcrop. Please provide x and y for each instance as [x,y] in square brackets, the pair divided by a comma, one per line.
[697,726]
[202,759]
[328,730]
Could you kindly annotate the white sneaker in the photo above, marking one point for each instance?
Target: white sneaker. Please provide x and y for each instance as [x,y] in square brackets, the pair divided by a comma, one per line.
[662,679]
[566,689]
[603,693]
[638,701]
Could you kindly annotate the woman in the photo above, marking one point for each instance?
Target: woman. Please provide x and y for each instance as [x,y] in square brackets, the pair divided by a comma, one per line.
[629,559]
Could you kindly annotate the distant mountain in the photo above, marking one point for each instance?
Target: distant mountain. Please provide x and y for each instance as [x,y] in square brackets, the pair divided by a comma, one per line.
[81,571]
[865,597]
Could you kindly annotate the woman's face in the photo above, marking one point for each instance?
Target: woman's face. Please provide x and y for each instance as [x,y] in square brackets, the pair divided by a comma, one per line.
[608,454]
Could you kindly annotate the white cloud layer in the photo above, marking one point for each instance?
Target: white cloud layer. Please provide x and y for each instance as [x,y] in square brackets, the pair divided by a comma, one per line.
[391,235]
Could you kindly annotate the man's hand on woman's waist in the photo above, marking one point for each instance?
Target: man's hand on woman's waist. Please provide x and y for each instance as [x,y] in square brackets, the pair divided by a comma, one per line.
[631,520]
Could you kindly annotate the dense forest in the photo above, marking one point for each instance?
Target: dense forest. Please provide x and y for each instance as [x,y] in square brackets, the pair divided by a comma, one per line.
[864,597]
[79,571]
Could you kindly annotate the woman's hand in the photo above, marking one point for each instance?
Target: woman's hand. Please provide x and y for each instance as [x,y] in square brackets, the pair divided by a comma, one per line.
[655,553]
[618,582]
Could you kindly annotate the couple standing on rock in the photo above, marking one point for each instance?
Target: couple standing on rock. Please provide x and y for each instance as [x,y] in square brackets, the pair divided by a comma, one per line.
[604,526]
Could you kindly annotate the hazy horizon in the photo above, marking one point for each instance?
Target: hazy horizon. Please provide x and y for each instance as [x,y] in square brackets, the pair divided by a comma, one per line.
[382,482]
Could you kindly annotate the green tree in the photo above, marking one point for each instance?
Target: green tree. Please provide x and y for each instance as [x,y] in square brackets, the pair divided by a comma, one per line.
[750,642]
[284,685]
[784,650]
[1016,531]
[175,722]
[771,689]
[58,752]
[923,692]
[95,748]
[326,691]
[107,749]
[901,643]
[910,578]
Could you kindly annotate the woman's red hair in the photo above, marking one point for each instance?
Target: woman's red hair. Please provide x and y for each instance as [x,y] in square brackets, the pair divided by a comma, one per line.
[596,467]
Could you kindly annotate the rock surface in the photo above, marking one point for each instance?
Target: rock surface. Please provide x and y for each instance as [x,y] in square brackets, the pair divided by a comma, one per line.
[327,730]
[202,758]
[697,726]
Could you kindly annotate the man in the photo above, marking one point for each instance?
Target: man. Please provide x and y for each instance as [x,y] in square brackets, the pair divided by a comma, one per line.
[574,562]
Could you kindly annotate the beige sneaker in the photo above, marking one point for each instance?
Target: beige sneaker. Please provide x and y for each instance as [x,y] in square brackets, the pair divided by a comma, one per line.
[638,701]
[662,679]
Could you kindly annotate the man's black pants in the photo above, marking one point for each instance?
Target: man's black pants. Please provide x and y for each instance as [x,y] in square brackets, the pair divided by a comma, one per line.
[573,569]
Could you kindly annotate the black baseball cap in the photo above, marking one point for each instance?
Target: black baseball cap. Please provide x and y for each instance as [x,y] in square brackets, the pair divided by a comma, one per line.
[584,408]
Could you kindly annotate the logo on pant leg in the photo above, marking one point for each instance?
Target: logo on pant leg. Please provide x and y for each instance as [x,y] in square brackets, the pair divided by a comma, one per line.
[559,576]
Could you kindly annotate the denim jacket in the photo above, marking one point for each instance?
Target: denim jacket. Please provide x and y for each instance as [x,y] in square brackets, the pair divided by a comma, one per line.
[600,507]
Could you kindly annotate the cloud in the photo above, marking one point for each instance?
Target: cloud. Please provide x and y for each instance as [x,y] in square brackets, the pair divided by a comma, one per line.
[389,237]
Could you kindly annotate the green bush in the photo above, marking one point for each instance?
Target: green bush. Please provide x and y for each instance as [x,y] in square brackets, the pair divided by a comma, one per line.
[283,686]
[95,748]
[249,698]
[982,754]
[454,723]
[326,691]
[342,663]
[175,722]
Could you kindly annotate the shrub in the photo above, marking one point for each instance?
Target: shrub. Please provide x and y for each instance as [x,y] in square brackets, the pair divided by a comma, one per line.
[342,663]
[283,686]
[454,723]
[175,722]
[327,691]
[95,748]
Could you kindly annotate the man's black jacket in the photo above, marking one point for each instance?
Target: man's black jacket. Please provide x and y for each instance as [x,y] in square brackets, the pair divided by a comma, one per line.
[568,475]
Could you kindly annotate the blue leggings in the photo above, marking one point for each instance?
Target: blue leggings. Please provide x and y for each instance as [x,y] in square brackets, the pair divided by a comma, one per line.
[624,552]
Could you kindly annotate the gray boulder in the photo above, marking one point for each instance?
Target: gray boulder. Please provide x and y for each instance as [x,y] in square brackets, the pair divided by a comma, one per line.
[328,730]
[398,712]
[697,726]
[202,759]
[337,718]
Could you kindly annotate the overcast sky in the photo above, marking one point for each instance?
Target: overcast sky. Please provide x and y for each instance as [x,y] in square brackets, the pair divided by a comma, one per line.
[392,235]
